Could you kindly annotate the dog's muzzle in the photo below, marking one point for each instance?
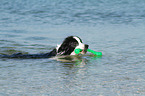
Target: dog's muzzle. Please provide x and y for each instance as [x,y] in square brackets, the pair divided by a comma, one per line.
[86,47]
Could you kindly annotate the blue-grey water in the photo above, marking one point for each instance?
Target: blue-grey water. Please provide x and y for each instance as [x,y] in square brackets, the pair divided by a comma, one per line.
[114,27]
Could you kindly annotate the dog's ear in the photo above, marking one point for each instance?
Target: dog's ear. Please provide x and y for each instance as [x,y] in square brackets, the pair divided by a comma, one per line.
[68,46]
[66,49]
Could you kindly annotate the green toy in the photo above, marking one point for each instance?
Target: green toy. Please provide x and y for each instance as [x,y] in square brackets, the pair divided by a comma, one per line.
[77,51]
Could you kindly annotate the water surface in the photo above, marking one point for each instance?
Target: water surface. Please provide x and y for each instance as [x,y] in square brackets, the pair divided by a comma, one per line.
[115,28]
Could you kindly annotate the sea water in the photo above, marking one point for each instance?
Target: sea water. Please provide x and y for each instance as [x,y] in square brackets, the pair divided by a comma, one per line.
[113,27]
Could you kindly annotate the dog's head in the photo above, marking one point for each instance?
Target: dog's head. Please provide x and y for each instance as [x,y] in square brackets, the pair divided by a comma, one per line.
[70,44]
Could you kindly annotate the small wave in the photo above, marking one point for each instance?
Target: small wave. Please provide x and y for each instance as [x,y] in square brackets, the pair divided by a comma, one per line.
[66,12]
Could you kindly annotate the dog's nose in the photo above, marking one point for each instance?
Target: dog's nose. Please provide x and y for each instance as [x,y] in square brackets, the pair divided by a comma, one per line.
[86,46]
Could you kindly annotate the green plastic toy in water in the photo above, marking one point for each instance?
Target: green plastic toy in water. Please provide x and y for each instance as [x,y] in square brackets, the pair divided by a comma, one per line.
[77,51]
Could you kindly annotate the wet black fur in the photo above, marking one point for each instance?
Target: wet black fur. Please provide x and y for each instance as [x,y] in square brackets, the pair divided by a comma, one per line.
[66,48]
[29,56]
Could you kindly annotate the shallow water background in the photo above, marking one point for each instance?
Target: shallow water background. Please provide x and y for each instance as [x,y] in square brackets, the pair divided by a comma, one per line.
[114,27]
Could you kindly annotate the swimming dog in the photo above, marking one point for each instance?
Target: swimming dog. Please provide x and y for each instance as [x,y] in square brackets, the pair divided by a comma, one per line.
[66,48]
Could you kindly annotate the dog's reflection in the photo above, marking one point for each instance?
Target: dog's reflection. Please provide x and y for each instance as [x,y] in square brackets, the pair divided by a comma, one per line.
[76,60]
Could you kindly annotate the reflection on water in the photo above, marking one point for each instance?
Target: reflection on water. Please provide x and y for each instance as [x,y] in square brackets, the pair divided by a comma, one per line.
[77,61]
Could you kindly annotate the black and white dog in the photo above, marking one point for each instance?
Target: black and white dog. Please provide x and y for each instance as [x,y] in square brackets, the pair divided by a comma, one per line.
[66,48]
